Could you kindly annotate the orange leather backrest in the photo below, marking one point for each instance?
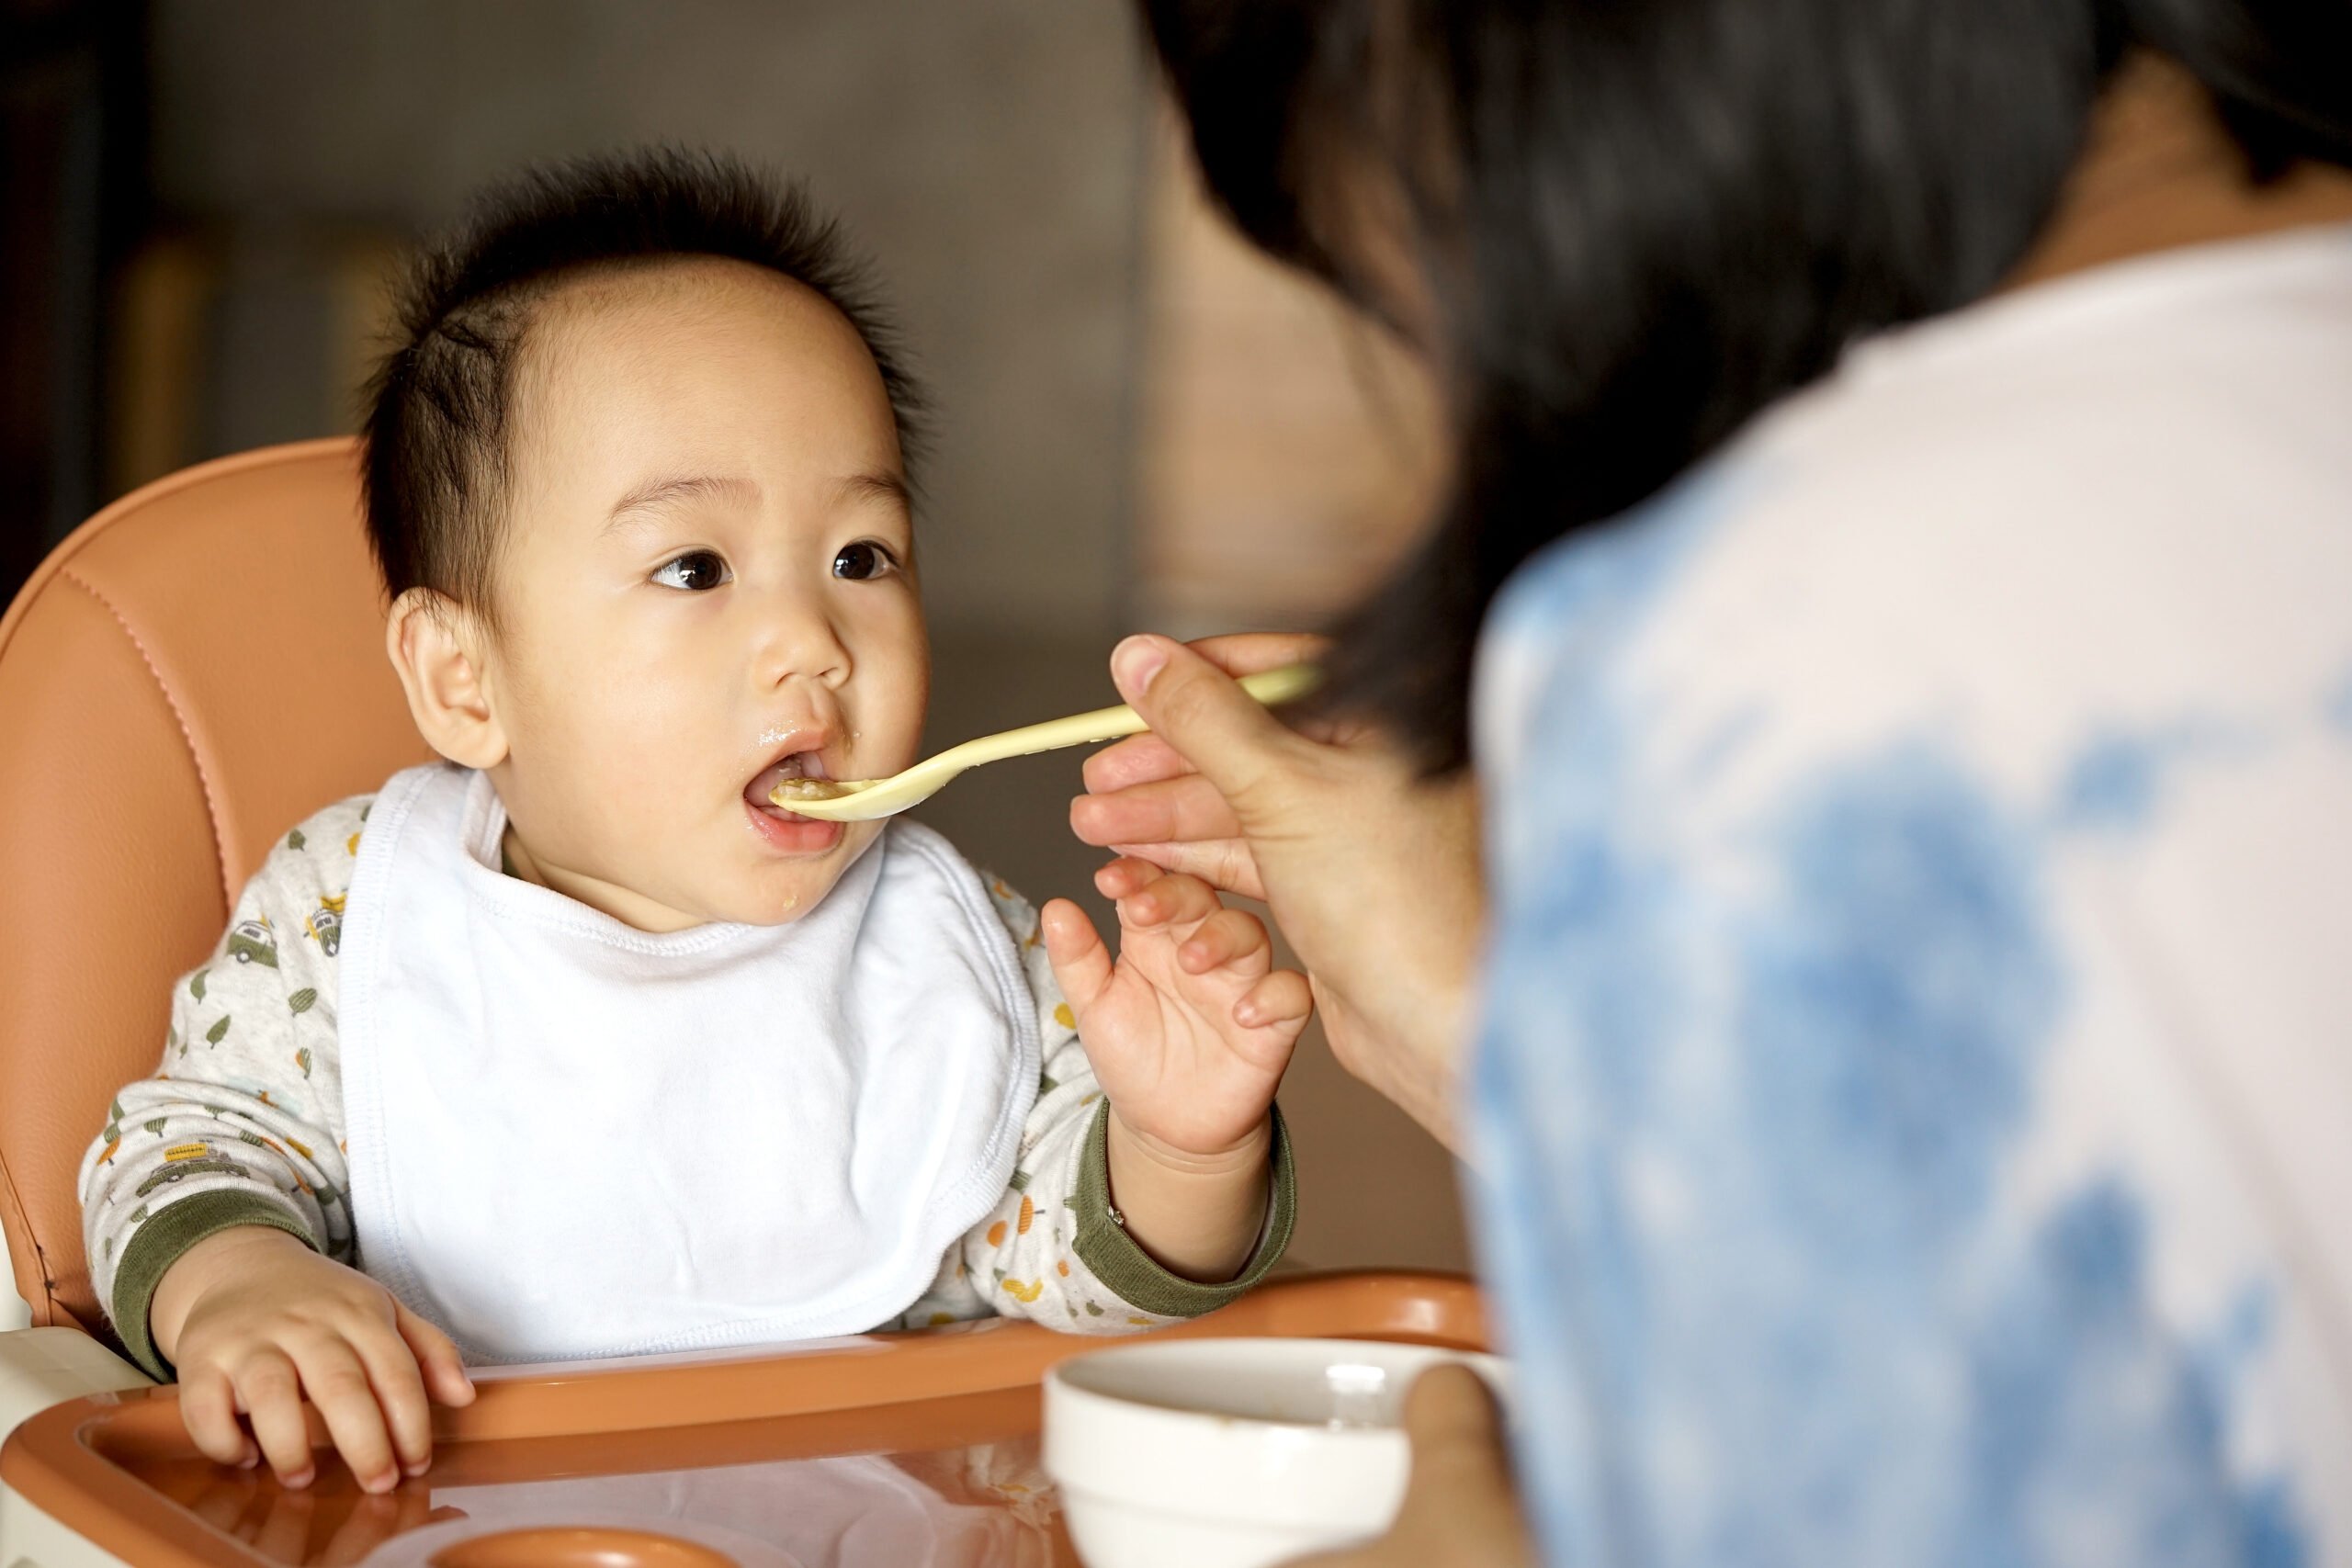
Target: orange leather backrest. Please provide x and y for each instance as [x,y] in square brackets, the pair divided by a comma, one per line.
[197,669]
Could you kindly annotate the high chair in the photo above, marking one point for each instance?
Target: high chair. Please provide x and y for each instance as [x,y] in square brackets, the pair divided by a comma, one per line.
[198,666]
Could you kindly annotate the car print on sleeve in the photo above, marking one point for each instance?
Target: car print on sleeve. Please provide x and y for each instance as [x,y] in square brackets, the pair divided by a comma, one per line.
[184,1160]
[325,927]
[252,942]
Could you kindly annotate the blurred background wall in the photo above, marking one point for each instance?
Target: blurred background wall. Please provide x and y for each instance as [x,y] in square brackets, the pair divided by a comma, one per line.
[1139,423]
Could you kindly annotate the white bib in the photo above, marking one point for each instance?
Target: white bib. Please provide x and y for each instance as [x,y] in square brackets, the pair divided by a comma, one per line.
[569,1138]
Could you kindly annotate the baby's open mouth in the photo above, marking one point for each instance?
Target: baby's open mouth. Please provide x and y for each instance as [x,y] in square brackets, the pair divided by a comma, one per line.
[800,772]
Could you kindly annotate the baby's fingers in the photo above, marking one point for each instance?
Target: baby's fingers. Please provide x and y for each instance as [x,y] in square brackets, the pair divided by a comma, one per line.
[398,1382]
[1283,997]
[1231,939]
[1081,964]
[339,1386]
[1127,875]
[271,1394]
[1171,900]
[209,1408]
[444,1368]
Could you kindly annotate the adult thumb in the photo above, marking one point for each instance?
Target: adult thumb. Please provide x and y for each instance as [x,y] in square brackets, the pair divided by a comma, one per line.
[1461,1481]
[1204,714]
[1451,1412]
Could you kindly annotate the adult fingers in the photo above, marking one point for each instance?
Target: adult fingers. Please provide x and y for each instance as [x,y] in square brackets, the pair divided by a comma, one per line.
[1228,865]
[1081,964]
[1251,653]
[1458,1462]
[271,1394]
[1247,653]
[346,1398]
[444,1368]
[1449,1409]
[1139,759]
[1189,806]
[1196,707]
[398,1384]
[1148,758]
[209,1408]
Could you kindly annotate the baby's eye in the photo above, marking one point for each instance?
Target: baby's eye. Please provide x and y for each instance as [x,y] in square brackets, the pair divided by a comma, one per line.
[863,560]
[696,571]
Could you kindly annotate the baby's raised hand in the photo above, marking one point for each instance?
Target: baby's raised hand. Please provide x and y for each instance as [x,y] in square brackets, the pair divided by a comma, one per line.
[1190,1026]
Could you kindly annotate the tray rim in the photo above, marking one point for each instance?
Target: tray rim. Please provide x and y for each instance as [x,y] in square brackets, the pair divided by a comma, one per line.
[53,1463]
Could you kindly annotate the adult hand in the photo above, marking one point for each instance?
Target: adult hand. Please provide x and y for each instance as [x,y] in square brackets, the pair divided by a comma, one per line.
[1371,872]
[1459,1509]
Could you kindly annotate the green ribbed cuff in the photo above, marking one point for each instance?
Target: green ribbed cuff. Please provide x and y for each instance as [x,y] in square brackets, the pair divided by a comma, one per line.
[1104,1247]
[161,1242]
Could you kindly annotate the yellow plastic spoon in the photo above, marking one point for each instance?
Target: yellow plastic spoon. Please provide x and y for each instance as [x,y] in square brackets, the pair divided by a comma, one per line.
[863,800]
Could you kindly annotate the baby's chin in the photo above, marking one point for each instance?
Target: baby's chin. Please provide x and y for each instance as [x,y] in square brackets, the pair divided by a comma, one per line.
[780,910]
[781,895]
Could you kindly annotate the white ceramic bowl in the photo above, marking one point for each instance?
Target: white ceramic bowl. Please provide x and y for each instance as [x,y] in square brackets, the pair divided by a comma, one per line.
[1232,1453]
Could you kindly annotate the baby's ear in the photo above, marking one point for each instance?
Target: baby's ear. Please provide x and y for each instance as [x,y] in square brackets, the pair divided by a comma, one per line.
[440,649]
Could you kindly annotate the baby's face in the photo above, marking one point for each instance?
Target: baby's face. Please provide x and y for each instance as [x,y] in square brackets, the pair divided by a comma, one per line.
[707,585]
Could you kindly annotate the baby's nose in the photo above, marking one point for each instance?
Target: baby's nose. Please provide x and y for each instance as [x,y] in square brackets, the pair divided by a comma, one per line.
[798,641]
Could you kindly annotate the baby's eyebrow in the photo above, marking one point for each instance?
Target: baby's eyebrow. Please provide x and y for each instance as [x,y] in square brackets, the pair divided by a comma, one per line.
[879,485]
[656,493]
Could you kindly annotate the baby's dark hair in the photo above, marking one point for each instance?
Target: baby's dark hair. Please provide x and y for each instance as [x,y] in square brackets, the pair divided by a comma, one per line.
[439,415]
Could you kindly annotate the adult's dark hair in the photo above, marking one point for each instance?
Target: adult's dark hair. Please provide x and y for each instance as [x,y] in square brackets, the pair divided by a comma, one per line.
[1637,222]
[440,411]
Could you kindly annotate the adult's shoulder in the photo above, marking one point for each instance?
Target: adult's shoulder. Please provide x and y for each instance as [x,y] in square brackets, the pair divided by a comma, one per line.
[1998,526]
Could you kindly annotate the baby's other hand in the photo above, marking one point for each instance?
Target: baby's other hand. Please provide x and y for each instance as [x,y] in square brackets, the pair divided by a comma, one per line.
[254,1320]
[1190,1027]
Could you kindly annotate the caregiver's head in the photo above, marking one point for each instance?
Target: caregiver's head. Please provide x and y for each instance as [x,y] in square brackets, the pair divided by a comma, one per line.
[1620,229]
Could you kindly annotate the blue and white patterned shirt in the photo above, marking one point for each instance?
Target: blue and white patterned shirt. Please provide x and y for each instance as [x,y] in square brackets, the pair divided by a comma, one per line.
[1914,1086]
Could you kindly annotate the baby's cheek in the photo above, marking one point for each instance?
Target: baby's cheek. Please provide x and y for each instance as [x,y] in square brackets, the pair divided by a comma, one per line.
[887,698]
[614,771]
[645,739]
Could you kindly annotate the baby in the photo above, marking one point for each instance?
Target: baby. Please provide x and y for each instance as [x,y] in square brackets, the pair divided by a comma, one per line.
[575,1046]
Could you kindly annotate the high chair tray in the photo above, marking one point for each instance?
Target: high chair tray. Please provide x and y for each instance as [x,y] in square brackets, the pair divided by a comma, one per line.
[874,1451]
